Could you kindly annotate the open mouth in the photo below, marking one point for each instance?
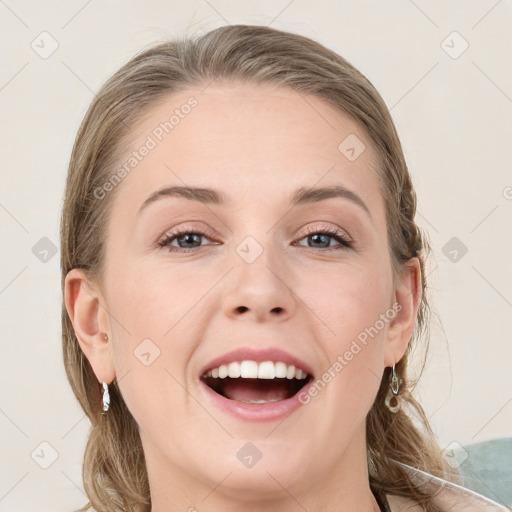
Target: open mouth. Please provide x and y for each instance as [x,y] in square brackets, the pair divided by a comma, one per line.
[263,383]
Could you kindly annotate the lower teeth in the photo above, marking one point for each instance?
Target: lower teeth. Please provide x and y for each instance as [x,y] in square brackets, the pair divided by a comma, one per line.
[259,401]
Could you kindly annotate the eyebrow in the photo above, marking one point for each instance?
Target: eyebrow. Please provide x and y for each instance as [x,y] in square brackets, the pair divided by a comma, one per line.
[210,196]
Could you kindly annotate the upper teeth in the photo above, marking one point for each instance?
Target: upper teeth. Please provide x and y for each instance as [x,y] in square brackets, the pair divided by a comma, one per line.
[253,370]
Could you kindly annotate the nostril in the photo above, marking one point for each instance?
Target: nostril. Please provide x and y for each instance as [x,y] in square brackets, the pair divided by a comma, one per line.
[242,309]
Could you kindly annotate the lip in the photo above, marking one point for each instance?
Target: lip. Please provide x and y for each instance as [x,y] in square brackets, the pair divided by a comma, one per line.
[255,413]
[271,411]
[258,355]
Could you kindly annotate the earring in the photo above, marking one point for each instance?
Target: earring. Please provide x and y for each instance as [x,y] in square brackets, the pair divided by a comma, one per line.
[393,402]
[106,397]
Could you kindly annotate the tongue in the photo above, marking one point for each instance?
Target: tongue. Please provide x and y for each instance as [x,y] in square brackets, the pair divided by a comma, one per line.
[256,389]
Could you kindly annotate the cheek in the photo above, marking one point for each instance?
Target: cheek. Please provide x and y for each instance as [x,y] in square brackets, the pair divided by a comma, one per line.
[151,322]
[154,300]
[347,300]
[355,313]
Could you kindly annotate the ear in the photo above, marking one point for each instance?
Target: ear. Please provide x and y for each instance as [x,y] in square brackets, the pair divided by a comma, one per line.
[90,322]
[407,298]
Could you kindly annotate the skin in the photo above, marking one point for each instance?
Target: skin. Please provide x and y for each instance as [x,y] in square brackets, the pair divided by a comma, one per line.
[256,144]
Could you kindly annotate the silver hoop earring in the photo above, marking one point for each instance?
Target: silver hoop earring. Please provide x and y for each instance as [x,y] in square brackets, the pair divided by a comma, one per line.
[106,397]
[393,402]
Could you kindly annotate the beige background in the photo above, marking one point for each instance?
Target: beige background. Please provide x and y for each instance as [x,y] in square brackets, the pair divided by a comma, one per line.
[452,111]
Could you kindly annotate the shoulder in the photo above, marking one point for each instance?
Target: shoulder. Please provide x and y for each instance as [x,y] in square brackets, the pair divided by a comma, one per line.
[450,499]
[455,498]
[447,496]
[401,504]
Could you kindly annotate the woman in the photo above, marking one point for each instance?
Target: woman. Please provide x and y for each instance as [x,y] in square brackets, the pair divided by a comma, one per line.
[243,282]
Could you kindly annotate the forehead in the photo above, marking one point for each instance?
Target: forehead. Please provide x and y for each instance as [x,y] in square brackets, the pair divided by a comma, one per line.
[250,141]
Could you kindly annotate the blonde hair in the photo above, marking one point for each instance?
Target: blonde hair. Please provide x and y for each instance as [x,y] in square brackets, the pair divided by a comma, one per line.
[115,477]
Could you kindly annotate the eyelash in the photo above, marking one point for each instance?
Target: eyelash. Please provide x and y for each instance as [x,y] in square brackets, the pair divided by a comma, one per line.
[339,236]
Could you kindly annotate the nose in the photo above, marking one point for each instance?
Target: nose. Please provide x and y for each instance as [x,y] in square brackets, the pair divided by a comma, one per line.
[259,291]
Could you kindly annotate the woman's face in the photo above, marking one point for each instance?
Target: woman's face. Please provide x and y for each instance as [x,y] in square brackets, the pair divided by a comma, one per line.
[253,275]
